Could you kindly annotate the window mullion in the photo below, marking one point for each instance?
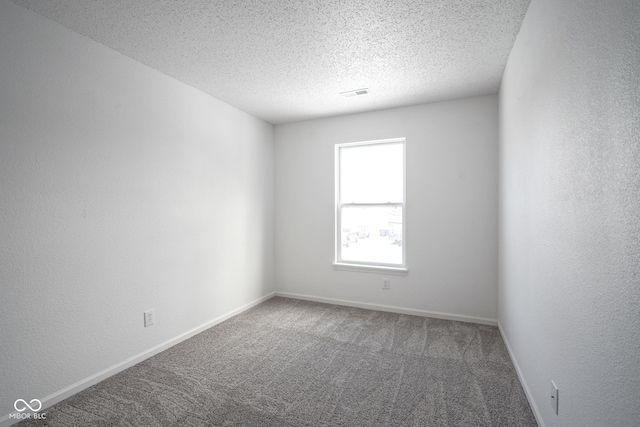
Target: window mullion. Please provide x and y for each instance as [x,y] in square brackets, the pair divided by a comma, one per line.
[365,204]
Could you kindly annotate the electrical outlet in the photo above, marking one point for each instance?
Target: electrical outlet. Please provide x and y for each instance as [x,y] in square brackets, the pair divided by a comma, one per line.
[149,318]
[385,284]
[554,397]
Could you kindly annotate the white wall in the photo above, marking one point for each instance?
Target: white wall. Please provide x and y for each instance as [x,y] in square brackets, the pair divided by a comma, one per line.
[121,190]
[570,209]
[452,207]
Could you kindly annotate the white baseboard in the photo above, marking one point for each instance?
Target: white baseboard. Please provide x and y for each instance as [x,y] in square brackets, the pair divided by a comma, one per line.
[391,309]
[66,392]
[527,391]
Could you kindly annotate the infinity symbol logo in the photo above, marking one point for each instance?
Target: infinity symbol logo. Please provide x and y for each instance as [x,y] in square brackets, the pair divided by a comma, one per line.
[26,405]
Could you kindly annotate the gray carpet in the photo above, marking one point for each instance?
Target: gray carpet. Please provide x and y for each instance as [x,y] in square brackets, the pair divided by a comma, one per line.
[289,363]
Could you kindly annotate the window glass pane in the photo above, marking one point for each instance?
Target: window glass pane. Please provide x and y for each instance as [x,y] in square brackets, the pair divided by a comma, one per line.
[371,234]
[371,173]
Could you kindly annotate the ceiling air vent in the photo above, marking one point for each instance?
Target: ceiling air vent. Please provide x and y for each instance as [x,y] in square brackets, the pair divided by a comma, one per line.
[356,92]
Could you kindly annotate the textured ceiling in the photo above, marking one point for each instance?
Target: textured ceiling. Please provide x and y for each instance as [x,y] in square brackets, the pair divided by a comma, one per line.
[288,60]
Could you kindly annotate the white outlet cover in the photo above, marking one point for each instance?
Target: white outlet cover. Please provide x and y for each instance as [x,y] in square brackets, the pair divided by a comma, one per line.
[554,396]
[148,318]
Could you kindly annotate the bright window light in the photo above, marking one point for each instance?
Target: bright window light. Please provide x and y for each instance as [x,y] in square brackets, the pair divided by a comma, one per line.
[370,204]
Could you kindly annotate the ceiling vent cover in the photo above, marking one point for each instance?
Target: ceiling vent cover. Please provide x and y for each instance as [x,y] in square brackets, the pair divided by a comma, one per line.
[356,92]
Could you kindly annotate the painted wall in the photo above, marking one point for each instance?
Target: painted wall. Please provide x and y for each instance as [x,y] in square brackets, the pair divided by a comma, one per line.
[452,207]
[121,190]
[570,209]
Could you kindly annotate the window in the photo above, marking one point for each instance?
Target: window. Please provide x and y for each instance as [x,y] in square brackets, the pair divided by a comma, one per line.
[370,205]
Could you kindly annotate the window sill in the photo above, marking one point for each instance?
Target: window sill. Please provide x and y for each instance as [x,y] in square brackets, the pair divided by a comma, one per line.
[398,271]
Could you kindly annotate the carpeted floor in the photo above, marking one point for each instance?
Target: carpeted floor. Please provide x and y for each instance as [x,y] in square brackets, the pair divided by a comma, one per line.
[287,363]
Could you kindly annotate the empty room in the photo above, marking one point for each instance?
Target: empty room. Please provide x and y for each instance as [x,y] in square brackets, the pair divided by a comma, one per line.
[320,213]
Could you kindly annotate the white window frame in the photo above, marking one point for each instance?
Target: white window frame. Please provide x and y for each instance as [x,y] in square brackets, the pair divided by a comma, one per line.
[370,267]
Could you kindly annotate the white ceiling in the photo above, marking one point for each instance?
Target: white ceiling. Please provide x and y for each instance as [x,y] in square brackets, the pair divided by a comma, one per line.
[288,60]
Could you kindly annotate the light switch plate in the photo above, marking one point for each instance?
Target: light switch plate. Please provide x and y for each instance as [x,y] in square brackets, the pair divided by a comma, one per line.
[554,397]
